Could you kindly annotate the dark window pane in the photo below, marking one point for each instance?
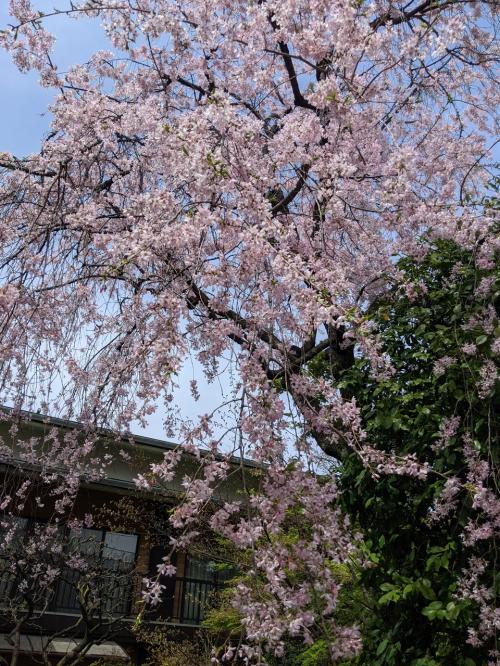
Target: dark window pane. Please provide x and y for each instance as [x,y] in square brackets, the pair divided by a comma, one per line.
[12,533]
[85,541]
[164,610]
[199,569]
[119,546]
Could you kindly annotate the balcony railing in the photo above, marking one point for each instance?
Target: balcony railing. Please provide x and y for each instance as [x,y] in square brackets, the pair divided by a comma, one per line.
[113,593]
[195,596]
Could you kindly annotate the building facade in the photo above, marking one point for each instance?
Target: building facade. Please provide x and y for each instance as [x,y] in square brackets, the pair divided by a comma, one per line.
[92,606]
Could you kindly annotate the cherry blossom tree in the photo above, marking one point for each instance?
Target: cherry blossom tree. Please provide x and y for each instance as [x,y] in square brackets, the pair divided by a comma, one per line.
[234,181]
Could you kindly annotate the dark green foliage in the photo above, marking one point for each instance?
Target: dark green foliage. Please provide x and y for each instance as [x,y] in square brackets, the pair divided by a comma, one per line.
[416,618]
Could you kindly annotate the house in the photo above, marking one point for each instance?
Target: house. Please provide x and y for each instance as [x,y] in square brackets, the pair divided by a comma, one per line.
[85,597]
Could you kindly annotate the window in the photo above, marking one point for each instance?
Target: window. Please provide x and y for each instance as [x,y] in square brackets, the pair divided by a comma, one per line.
[119,546]
[185,597]
[200,584]
[12,534]
[107,559]
[104,559]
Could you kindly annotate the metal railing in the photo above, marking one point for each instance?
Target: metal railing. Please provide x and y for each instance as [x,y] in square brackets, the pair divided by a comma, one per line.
[113,592]
[195,597]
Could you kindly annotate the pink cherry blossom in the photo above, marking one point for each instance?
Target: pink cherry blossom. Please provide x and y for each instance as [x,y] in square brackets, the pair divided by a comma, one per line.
[232,181]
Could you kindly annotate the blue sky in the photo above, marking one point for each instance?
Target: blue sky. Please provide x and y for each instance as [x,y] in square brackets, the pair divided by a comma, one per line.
[24,120]
[24,116]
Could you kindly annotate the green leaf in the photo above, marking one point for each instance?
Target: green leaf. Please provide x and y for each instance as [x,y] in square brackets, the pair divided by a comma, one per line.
[382,647]
[388,597]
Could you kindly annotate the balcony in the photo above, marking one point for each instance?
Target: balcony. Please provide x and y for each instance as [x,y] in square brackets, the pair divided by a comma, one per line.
[115,591]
